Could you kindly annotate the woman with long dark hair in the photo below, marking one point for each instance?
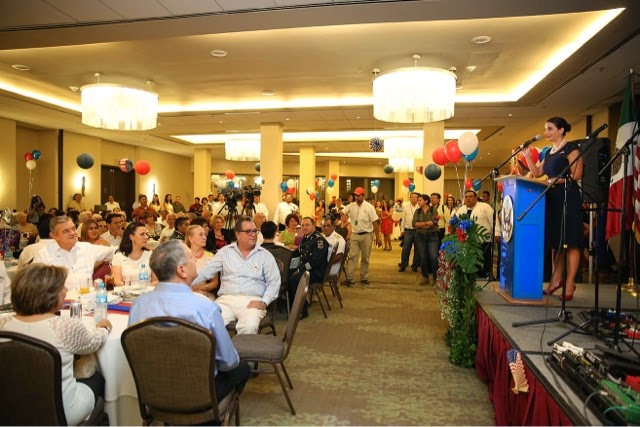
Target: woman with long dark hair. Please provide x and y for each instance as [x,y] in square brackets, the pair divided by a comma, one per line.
[131,254]
[562,153]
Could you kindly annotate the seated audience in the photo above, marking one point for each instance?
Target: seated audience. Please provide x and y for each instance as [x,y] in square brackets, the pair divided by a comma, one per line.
[288,236]
[167,232]
[37,293]
[115,227]
[154,230]
[174,265]
[131,254]
[27,254]
[181,226]
[91,234]
[219,239]
[26,229]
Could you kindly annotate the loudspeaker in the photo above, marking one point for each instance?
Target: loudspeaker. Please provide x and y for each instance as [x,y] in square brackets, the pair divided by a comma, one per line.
[595,189]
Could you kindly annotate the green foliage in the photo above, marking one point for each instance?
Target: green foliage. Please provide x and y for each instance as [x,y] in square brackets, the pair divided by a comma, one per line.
[459,260]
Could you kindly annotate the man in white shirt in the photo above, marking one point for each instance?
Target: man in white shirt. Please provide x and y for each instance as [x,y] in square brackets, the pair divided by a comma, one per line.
[219,208]
[408,234]
[482,214]
[211,202]
[111,204]
[114,232]
[364,222]
[65,251]
[332,238]
[283,209]
[5,286]
[259,206]
[30,251]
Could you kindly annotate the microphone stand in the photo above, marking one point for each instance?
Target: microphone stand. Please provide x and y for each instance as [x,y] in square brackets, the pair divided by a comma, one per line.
[495,172]
[625,152]
[564,315]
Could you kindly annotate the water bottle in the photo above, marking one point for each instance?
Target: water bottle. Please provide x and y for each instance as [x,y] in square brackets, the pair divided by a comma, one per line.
[8,254]
[100,311]
[143,277]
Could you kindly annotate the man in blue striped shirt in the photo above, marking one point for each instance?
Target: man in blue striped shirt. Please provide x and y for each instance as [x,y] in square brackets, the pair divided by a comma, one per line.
[250,278]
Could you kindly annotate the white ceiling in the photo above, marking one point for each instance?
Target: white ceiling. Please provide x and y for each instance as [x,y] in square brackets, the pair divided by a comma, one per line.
[316,57]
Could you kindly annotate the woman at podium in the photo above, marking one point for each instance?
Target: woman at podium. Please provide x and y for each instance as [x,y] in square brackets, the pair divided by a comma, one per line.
[562,153]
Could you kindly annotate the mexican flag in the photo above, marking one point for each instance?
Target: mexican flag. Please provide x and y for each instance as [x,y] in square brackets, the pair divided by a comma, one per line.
[627,127]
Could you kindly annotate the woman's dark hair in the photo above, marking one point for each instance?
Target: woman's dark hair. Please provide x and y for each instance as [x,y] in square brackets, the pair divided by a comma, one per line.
[126,245]
[167,197]
[290,217]
[560,123]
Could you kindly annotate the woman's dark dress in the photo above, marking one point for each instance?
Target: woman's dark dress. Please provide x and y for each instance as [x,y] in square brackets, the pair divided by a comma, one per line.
[553,165]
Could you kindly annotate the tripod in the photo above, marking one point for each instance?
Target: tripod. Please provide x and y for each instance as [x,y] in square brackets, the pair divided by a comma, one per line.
[230,221]
[564,315]
[625,152]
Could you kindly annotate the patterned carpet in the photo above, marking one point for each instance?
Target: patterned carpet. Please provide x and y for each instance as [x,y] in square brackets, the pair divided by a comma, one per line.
[380,360]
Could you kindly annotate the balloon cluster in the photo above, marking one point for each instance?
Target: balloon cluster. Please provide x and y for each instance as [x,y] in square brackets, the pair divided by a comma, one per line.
[408,184]
[375,185]
[288,186]
[535,156]
[474,184]
[142,167]
[311,191]
[376,144]
[331,182]
[31,158]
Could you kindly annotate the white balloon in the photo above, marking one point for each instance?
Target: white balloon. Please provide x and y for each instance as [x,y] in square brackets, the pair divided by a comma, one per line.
[467,143]
[31,164]
[404,190]
[310,189]
[374,189]
[291,183]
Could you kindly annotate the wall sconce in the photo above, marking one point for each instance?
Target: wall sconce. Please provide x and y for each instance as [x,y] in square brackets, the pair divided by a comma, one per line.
[82,189]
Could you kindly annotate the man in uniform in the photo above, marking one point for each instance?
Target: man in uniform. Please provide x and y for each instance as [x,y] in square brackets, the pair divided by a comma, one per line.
[313,258]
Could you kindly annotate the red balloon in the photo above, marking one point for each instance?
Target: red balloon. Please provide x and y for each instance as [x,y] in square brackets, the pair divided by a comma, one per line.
[291,190]
[28,156]
[500,186]
[334,176]
[439,157]
[312,196]
[229,174]
[142,167]
[406,182]
[468,184]
[452,151]
[535,155]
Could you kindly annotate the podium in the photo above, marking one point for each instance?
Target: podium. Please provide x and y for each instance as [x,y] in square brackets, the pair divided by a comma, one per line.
[522,243]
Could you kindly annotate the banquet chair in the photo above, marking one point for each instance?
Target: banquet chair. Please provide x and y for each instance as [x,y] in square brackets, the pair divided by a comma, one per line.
[173,364]
[268,321]
[269,349]
[31,392]
[284,255]
[335,278]
[316,288]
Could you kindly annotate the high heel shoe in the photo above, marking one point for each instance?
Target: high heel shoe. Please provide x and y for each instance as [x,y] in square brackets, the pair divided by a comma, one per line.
[552,290]
[568,296]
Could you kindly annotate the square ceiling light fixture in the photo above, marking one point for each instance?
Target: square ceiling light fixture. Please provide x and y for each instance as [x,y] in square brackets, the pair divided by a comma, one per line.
[117,107]
[242,150]
[414,94]
[402,151]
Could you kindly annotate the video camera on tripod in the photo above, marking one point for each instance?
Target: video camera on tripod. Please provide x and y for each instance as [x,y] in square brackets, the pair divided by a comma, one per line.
[233,195]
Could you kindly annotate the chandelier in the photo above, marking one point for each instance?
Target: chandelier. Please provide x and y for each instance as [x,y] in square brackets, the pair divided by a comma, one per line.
[414,94]
[242,150]
[402,151]
[117,107]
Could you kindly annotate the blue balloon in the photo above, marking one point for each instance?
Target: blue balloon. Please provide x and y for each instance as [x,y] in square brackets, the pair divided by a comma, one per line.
[85,161]
[388,169]
[331,183]
[257,167]
[36,154]
[472,156]
[376,182]
[412,186]
[543,153]
[432,172]
[283,186]
[476,184]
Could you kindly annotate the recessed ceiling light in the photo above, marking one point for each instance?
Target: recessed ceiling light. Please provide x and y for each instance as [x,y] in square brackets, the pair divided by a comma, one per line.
[267,93]
[481,39]
[286,120]
[510,114]
[471,68]
[218,53]
[21,67]
[357,117]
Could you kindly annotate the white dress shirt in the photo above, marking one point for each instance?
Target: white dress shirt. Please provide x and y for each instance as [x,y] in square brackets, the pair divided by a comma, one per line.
[79,261]
[332,239]
[282,210]
[113,240]
[112,205]
[407,216]
[262,208]
[482,214]
[5,285]
[362,217]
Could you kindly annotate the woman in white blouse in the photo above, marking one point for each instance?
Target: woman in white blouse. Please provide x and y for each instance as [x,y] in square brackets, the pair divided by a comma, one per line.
[37,293]
[196,240]
[168,204]
[131,254]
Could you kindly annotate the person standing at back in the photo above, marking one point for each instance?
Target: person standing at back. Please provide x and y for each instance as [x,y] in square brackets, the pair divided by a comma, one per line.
[364,222]
[408,234]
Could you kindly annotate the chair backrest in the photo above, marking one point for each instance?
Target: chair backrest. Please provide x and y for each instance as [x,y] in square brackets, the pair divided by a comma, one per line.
[342,261]
[31,391]
[283,255]
[173,363]
[296,310]
[327,271]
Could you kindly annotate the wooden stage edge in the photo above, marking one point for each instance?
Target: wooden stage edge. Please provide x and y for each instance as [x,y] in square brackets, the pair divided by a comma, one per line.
[517,301]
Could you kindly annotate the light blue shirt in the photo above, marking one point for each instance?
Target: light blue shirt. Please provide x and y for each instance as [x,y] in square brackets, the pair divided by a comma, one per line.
[256,275]
[178,300]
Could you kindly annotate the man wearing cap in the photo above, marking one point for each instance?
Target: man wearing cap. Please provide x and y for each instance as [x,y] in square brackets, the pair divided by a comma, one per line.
[364,221]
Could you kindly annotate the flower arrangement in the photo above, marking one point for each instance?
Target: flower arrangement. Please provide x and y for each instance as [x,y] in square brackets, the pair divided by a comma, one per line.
[459,260]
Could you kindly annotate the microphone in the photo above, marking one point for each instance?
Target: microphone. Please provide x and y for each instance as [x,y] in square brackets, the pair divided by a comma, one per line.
[597,131]
[529,142]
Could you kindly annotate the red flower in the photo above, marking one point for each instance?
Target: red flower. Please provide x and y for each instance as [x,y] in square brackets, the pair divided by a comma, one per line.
[450,229]
[462,236]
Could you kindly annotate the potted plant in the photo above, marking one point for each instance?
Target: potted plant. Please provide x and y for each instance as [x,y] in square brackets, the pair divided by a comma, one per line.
[459,260]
